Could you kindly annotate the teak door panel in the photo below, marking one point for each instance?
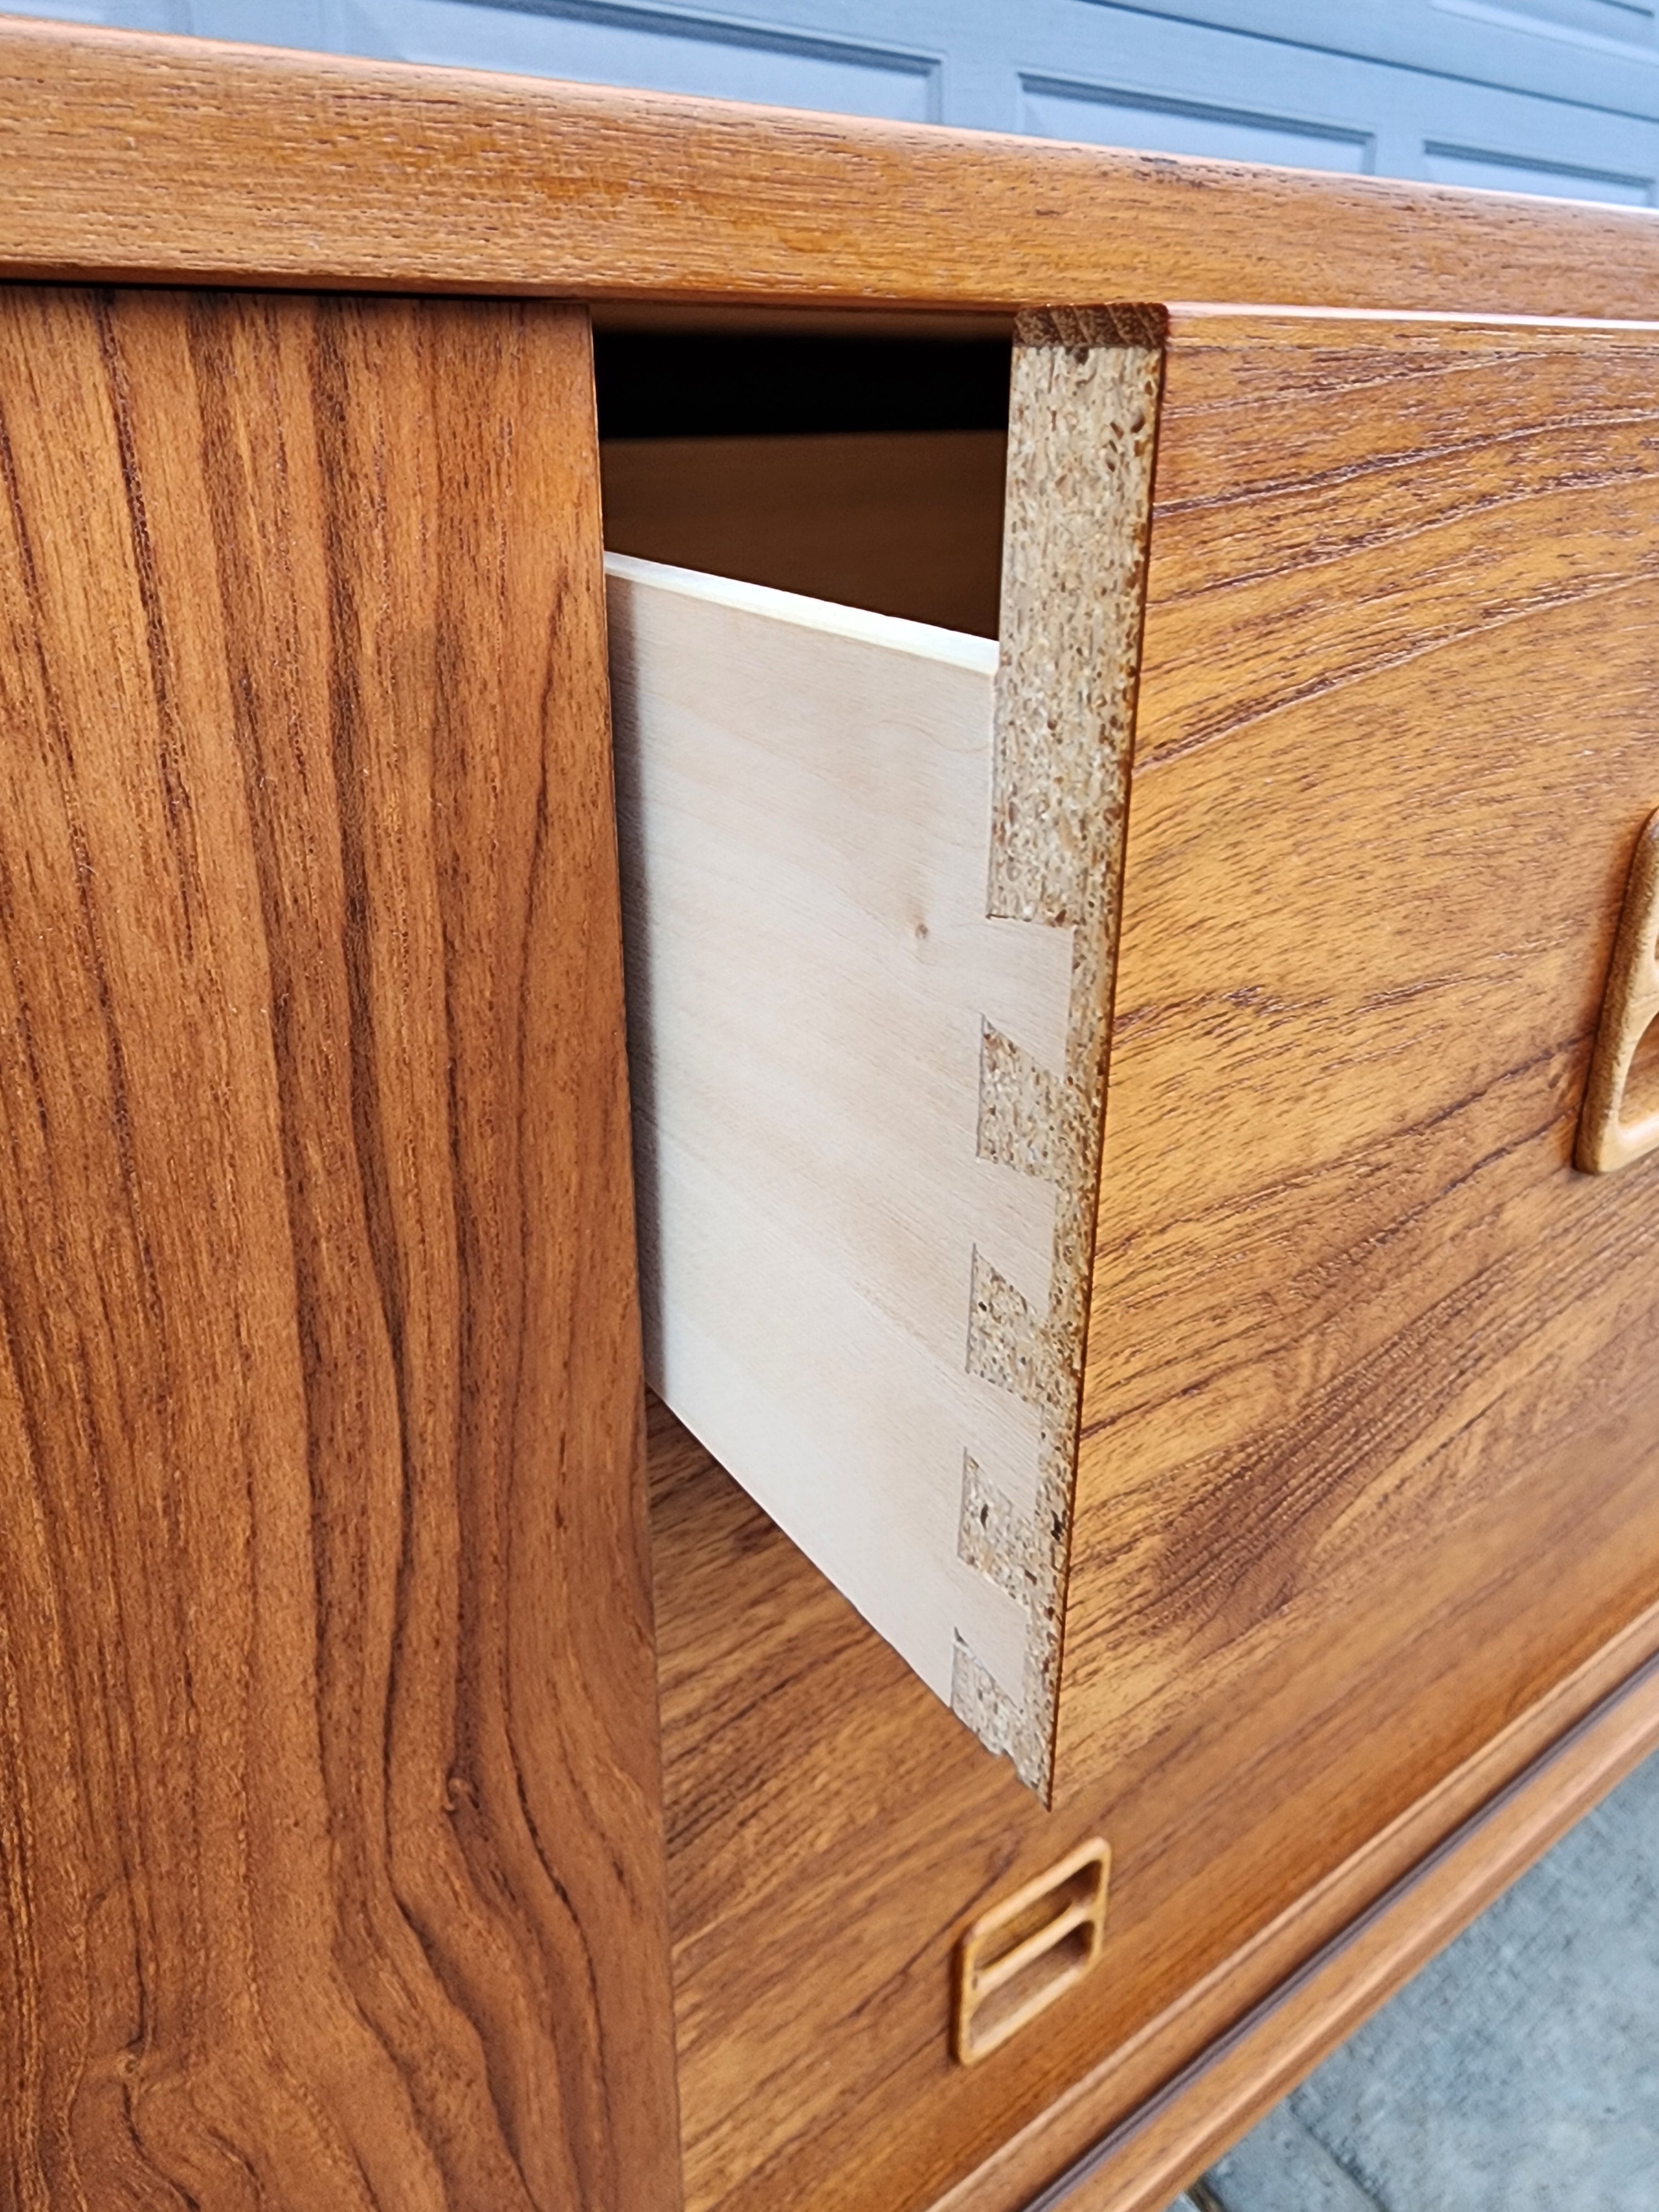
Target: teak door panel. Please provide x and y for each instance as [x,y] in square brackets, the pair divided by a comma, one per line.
[329,1810]
[833,1834]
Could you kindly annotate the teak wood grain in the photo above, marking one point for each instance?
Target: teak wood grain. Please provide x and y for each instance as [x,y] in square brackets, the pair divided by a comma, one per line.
[328,1772]
[1369,1421]
[128,155]
[1168,2141]
[832,1834]
[327,1796]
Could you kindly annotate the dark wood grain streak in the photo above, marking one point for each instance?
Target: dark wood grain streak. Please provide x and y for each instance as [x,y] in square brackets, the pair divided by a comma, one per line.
[328,1774]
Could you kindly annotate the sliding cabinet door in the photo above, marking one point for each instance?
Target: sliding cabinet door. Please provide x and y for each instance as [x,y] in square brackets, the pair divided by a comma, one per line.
[330,1829]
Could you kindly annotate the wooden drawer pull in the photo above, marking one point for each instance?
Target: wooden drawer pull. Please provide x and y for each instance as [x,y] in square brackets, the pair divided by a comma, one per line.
[1017,1959]
[1629,1005]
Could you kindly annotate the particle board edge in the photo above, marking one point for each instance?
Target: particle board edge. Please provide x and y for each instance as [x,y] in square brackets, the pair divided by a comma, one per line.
[1083,420]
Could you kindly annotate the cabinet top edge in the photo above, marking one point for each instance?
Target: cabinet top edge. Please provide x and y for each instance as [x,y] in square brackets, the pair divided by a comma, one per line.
[139,158]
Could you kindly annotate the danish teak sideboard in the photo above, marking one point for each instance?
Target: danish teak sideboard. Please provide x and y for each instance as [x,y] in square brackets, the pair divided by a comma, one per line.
[1153,1505]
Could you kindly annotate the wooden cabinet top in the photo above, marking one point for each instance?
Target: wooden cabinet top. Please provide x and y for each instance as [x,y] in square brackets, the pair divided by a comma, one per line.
[134,157]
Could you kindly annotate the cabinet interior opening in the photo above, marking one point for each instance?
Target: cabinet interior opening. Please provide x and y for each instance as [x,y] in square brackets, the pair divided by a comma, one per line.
[858,463]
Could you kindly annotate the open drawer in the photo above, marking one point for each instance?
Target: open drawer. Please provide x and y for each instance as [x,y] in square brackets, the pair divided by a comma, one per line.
[1332,1382]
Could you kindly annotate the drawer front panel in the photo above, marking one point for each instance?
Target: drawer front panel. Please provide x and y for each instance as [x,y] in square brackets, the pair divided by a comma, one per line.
[1369,1417]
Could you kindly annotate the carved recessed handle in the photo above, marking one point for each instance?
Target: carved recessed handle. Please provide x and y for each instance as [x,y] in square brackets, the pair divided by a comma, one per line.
[1017,1958]
[1607,1140]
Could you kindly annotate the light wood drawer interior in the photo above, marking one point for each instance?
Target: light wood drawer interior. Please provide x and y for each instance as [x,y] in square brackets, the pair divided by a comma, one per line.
[813,984]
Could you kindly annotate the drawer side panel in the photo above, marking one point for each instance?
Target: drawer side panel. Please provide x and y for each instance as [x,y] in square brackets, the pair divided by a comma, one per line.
[813,978]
